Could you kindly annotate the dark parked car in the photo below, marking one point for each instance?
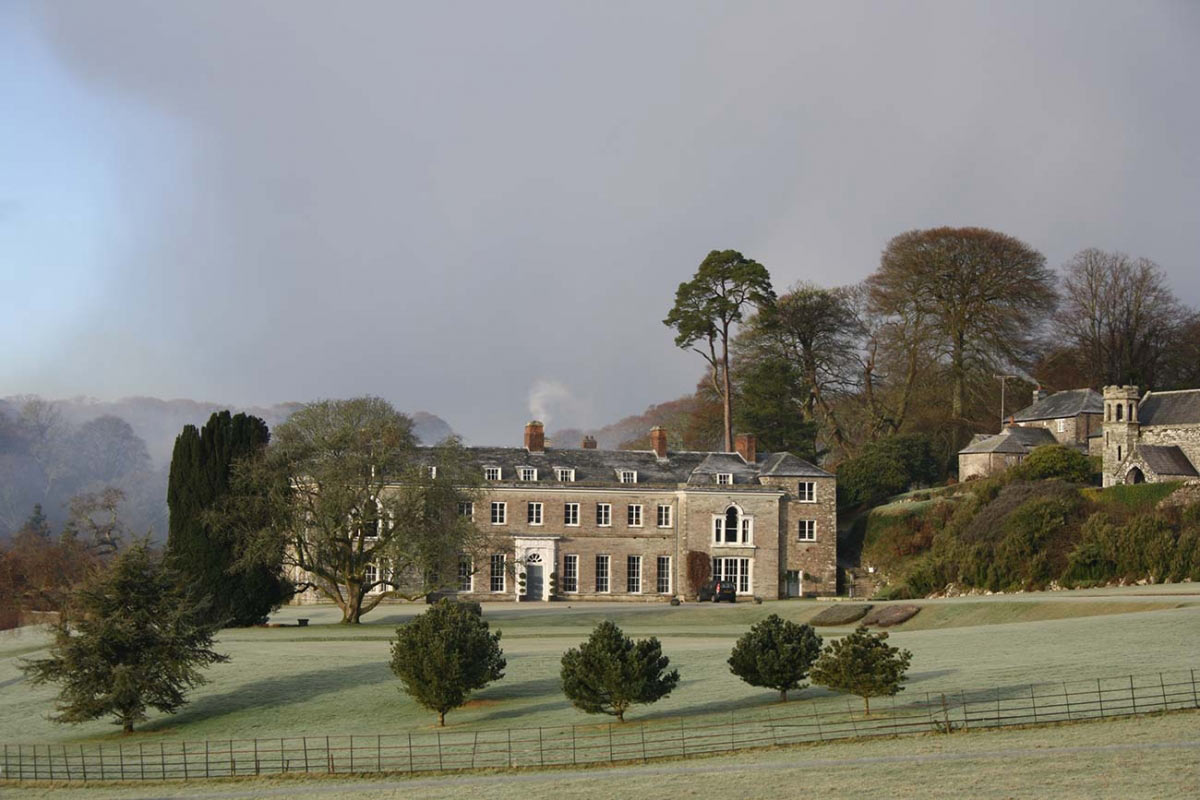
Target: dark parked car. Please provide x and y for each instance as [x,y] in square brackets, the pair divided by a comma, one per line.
[716,591]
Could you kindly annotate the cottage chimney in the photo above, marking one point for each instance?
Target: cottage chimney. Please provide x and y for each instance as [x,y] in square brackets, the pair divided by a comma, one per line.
[588,443]
[658,441]
[1040,394]
[535,437]
[746,447]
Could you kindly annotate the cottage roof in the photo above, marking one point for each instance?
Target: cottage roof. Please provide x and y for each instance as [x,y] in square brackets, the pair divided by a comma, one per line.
[1013,439]
[1069,403]
[1170,408]
[597,466]
[1166,460]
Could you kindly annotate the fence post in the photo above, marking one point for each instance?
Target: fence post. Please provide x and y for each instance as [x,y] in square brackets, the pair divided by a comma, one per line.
[82,761]
[771,722]
[379,752]
[162,760]
[945,713]
[142,761]
[541,750]
[439,741]
[328,757]
[305,741]
[232,763]
[1067,700]
[1132,696]
[732,740]
[999,723]
[120,760]
[850,711]
[410,754]
[1100,697]
[643,732]
[509,732]
[1163,686]
[817,714]
[573,761]
[682,740]
[610,750]
[183,751]
[101,763]
[258,771]
[962,696]
[206,758]
[351,752]
[1195,702]
[1033,700]
[66,761]
[474,747]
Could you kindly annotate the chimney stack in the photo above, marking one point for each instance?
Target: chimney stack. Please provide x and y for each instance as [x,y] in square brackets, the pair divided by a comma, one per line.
[746,447]
[1040,394]
[589,443]
[535,437]
[658,441]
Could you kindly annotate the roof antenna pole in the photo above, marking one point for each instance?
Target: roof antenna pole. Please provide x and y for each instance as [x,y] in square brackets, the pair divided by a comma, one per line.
[1003,382]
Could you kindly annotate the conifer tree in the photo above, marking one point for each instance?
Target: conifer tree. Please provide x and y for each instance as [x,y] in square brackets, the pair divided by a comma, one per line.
[610,672]
[862,663]
[776,653]
[446,653]
[131,640]
[205,554]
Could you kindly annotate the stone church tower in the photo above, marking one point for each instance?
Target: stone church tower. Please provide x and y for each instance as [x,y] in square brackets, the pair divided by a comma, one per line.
[1121,428]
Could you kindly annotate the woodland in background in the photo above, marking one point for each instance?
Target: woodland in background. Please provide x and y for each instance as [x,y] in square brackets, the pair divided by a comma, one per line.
[833,374]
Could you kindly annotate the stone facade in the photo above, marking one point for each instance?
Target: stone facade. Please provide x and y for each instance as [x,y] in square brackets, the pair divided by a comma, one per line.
[1072,418]
[766,521]
[1150,437]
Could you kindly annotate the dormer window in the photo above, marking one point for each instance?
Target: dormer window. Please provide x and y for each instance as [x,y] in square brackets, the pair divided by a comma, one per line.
[724,478]
[564,475]
[627,476]
[491,473]
[527,473]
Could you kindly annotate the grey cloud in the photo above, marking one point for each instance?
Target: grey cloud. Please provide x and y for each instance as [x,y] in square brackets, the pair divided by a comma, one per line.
[446,203]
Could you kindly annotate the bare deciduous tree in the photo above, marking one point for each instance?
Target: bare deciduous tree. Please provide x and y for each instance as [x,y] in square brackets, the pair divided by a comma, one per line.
[1119,317]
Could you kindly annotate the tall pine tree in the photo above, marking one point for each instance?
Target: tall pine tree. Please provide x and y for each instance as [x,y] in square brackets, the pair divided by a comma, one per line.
[205,556]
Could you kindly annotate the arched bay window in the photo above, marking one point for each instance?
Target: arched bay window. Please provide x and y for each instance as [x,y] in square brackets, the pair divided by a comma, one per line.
[733,527]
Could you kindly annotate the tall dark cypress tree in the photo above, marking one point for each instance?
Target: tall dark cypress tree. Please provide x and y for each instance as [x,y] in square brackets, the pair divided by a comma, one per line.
[201,554]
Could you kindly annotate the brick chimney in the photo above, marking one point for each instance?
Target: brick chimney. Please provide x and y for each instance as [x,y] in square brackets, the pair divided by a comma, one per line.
[535,437]
[1040,394]
[746,447]
[658,441]
[588,443]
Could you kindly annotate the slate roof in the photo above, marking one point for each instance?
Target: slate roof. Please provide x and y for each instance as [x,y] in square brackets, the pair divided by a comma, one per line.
[1170,408]
[1060,405]
[1166,460]
[1013,439]
[603,466]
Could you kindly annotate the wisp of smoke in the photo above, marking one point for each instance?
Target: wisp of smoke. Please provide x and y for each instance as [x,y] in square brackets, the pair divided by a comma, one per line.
[543,394]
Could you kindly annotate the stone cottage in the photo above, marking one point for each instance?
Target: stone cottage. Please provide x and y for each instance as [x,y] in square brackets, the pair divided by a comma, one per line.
[1073,418]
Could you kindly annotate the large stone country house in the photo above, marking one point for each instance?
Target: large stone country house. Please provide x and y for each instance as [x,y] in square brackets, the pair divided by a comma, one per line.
[1147,437]
[621,524]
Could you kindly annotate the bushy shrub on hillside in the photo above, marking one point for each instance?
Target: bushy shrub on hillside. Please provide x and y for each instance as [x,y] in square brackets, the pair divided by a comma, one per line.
[884,468]
[1055,461]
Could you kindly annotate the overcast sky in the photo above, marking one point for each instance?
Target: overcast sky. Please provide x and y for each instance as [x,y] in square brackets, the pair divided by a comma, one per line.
[457,205]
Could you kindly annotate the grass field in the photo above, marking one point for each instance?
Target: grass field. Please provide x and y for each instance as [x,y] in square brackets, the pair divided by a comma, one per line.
[329,679]
[1134,758]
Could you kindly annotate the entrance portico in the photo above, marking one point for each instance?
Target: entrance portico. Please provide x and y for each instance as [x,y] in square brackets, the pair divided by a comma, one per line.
[537,557]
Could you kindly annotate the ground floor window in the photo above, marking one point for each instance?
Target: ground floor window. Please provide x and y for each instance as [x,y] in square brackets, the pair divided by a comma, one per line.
[372,576]
[570,581]
[601,573]
[663,583]
[736,570]
[497,576]
[633,574]
[466,580]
